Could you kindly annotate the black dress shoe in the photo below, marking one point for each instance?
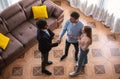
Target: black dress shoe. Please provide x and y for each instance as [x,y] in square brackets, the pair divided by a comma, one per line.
[49,62]
[46,72]
[63,57]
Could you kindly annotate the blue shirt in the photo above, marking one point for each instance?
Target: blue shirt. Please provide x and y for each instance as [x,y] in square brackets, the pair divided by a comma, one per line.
[73,29]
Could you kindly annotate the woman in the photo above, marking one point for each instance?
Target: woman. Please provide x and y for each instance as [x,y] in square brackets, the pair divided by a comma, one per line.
[85,41]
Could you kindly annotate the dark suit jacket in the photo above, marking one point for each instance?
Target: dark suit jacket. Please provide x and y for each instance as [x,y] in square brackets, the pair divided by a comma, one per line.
[45,41]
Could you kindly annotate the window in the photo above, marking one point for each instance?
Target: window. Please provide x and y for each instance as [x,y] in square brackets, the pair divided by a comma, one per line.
[5,3]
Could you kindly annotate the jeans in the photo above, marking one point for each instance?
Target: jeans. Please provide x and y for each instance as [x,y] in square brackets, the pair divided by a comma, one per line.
[75,46]
[82,60]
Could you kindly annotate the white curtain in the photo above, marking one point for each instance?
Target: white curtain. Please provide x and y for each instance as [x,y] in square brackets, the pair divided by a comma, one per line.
[5,3]
[113,7]
[116,27]
[106,11]
[73,3]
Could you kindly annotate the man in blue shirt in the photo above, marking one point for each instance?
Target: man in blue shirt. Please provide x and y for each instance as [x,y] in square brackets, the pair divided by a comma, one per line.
[73,27]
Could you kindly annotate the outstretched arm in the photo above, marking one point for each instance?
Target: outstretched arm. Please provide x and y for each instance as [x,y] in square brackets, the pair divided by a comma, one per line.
[64,29]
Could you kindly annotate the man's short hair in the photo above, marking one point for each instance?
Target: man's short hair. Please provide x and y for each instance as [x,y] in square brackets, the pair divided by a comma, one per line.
[75,15]
[41,23]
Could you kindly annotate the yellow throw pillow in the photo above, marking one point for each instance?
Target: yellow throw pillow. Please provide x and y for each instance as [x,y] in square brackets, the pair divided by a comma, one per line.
[4,40]
[39,12]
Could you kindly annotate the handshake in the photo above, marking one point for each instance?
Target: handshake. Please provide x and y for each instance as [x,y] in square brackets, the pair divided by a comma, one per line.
[58,41]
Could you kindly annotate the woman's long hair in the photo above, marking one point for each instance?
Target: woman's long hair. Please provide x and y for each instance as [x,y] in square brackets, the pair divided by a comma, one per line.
[88,31]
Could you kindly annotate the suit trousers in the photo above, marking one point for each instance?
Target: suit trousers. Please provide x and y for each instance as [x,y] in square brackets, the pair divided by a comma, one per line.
[44,59]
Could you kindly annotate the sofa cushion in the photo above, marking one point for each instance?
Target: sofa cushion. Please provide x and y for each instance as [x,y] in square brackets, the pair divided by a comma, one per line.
[26,3]
[52,23]
[33,21]
[2,64]
[27,6]
[14,47]
[10,11]
[15,20]
[39,12]
[3,28]
[50,7]
[25,33]
[4,40]
[13,16]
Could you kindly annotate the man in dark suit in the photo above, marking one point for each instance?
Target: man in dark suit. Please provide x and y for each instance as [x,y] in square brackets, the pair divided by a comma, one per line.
[44,37]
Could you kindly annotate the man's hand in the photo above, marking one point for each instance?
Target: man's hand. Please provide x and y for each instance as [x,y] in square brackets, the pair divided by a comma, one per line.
[59,41]
[70,36]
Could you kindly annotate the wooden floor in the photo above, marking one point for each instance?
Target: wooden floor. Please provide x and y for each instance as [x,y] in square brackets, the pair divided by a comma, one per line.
[103,58]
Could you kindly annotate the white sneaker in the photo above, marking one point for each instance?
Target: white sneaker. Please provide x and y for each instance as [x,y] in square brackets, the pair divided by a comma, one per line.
[74,73]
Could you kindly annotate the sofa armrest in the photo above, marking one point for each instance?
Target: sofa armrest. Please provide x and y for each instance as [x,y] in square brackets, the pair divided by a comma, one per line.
[60,20]
[53,9]
[58,11]
[61,17]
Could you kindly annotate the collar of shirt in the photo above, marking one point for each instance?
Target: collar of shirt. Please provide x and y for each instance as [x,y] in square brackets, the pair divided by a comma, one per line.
[46,31]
